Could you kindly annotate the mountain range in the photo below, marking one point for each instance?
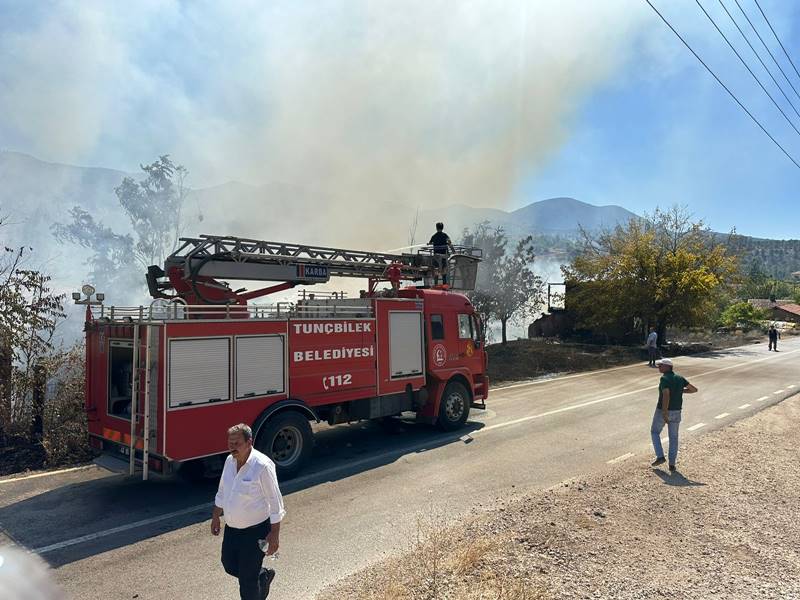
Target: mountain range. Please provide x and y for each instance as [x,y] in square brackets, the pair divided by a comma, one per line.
[34,194]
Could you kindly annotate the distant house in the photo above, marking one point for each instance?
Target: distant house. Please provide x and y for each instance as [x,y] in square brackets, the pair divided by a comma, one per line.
[779,310]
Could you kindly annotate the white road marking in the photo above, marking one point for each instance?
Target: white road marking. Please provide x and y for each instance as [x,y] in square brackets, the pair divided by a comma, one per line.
[562,378]
[762,398]
[587,373]
[791,387]
[698,426]
[723,415]
[742,365]
[620,458]
[120,529]
[614,397]
[45,474]
[778,392]
[743,406]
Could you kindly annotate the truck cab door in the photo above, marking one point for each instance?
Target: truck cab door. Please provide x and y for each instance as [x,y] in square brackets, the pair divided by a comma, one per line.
[470,349]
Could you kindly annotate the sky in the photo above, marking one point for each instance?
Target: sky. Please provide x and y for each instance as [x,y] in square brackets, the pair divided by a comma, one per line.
[422,102]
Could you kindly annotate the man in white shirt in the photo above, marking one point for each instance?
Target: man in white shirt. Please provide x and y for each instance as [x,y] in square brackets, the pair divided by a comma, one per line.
[251,501]
[652,347]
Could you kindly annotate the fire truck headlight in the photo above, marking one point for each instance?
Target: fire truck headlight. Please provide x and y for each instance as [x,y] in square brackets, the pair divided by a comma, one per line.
[87,290]
[100,296]
[76,296]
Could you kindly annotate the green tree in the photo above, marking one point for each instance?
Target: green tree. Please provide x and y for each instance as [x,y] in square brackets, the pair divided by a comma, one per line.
[29,314]
[507,289]
[757,283]
[662,270]
[742,314]
[154,208]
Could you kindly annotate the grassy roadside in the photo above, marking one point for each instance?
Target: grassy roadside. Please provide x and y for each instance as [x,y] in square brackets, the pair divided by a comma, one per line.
[522,360]
[724,526]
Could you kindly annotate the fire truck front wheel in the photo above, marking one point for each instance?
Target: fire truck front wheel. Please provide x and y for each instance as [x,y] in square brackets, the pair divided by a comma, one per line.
[454,406]
[287,439]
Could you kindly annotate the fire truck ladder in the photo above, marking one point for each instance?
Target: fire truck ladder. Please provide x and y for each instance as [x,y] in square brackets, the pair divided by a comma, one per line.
[143,348]
[241,258]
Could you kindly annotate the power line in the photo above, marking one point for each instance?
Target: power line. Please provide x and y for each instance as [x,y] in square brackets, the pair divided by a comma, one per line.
[777,38]
[746,66]
[758,56]
[719,81]
[763,43]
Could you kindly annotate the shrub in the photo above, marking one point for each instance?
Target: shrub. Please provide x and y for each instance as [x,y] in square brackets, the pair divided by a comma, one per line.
[742,315]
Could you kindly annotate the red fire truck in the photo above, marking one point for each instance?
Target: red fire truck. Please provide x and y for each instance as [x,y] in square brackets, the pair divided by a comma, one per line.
[165,381]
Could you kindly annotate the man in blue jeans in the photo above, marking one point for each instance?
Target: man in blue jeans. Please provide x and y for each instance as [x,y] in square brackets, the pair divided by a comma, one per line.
[671,389]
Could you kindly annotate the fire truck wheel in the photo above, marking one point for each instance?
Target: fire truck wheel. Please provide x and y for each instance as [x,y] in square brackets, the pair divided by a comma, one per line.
[287,439]
[454,407]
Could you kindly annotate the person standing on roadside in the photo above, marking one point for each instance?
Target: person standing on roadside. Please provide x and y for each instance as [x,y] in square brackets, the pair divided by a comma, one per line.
[652,347]
[774,335]
[671,389]
[251,501]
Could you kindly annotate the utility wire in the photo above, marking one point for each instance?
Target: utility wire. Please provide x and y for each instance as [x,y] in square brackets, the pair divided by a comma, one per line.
[746,66]
[777,38]
[772,56]
[725,87]
[758,56]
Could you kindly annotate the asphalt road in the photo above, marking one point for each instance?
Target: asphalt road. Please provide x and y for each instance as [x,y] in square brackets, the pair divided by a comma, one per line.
[111,537]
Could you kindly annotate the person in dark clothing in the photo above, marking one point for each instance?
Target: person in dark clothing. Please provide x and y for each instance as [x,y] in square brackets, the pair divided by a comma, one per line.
[440,240]
[774,336]
[441,244]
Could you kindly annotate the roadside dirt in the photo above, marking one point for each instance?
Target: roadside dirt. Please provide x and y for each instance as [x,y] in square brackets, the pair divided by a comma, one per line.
[21,456]
[724,526]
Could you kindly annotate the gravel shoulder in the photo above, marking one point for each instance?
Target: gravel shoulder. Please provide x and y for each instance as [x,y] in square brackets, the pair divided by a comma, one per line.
[726,525]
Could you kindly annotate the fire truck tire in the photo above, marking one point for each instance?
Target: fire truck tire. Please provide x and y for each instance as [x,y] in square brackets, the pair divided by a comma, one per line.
[454,406]
[287,439]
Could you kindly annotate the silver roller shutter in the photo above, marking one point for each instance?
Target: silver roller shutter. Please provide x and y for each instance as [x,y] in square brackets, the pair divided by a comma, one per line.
[259,365]
[199,371]
[405,344]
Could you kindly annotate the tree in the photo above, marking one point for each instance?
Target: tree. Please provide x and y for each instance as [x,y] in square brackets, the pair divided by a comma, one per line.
[663,270]
[506,289]
[29,314]
[742,314]
[154,209]
[757,283]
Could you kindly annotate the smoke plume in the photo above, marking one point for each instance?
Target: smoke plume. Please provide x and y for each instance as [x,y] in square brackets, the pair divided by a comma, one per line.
[413,103]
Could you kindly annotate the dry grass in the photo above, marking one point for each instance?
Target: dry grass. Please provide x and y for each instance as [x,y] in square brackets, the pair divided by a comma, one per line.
[467,560]
[444,564]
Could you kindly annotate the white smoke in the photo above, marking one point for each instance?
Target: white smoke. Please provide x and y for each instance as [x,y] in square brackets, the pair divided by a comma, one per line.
[413,102]
[354,113]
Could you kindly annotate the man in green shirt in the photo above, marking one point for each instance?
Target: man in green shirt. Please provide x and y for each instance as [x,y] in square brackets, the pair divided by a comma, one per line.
[671,389]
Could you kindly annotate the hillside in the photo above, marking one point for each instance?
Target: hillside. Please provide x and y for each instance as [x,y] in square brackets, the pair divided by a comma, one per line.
[34,194]
[552,217]
[776,258]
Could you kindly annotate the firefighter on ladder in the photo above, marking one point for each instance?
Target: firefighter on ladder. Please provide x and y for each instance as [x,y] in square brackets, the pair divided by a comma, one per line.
[441,246]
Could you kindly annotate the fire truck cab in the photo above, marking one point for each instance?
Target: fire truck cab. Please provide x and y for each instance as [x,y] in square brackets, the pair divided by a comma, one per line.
[164,382]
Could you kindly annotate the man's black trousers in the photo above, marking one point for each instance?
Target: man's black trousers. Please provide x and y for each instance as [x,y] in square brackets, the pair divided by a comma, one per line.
[242,557]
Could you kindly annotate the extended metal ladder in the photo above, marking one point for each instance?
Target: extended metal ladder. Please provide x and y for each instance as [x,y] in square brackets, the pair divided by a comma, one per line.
[208,254]
[144,347]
